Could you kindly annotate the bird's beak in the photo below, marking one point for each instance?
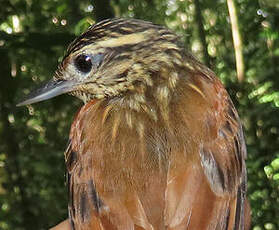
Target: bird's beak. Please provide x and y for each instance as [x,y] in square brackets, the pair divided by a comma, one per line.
[49,90]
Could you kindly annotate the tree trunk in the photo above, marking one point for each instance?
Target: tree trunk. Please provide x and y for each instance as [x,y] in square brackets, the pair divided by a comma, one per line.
[102,10]
[201,31]
[237,42]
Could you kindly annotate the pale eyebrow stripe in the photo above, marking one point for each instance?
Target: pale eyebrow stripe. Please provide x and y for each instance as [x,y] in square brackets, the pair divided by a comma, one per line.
[129,39]
[124,40]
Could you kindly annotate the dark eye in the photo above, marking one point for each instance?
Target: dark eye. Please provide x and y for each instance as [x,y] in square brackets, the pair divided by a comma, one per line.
[83,63]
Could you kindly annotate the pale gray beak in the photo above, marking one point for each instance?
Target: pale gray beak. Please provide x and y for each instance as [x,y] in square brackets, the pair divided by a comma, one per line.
[49,90]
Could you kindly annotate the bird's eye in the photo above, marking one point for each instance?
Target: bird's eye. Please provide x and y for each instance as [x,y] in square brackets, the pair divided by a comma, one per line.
[83,63]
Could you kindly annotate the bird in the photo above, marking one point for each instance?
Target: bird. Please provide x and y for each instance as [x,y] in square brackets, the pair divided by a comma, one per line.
[158,143]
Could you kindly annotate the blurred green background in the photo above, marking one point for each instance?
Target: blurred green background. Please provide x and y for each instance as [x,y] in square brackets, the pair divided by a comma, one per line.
[34,35]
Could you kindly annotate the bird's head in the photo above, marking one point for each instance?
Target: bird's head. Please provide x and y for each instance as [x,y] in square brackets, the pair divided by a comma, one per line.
[111,59]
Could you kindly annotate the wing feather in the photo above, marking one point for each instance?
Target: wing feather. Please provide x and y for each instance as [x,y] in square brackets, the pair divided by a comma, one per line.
[210,192]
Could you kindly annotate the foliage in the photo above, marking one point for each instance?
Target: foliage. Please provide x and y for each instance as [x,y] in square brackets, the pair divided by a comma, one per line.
[33,37]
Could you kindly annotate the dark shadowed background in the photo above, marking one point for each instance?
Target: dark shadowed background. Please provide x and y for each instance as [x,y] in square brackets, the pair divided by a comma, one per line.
[34,35]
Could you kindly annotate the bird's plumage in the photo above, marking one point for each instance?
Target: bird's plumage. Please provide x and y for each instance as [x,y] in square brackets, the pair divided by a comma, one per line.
[158,144]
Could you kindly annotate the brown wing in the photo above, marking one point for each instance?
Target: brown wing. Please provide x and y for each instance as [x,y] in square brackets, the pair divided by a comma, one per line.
[209,192]
[84,203]
[109,190]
